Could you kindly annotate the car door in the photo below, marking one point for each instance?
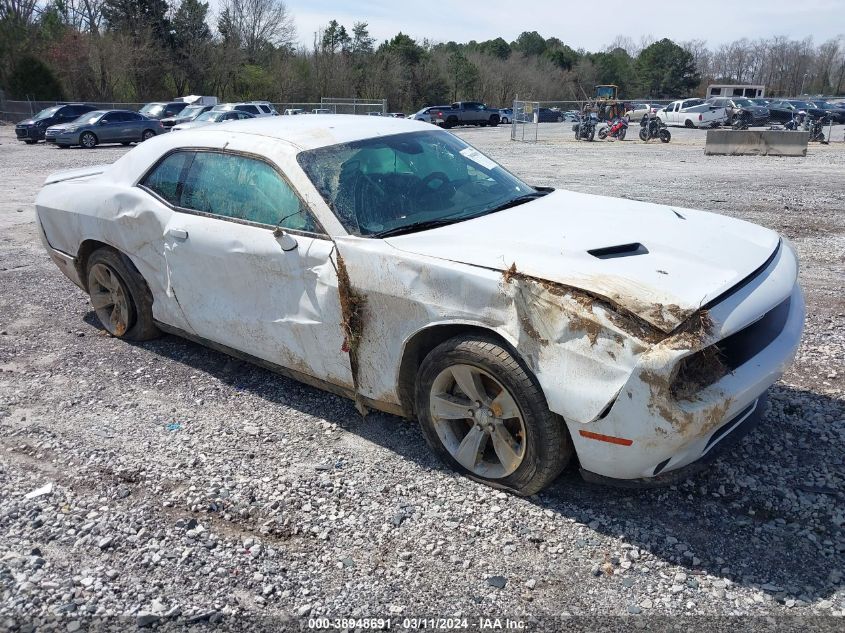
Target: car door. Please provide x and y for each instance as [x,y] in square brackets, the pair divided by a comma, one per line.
[109,127]
[241,283]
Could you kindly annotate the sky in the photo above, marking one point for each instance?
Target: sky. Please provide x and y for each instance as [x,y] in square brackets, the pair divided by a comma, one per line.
[716,21]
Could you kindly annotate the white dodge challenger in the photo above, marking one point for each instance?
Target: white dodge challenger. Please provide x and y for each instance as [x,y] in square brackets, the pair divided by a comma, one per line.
[392,263]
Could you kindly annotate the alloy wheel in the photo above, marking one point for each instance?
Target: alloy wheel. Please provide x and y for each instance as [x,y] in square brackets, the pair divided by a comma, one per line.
[478,421]
[109,299]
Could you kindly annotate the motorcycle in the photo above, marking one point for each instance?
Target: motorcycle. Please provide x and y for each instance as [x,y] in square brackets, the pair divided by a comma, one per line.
[815,126]
[741,120]
[654,128]
[585,129]
[614,129]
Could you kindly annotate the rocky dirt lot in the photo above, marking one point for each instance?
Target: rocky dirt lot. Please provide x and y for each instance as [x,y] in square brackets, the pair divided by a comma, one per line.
[163,484]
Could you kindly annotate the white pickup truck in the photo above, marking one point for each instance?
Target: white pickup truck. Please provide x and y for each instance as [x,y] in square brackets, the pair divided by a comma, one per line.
[692,113]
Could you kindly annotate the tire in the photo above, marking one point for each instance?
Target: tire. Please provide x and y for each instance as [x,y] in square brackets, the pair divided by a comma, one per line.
[689,124]
[505,120]
[622,133]
[493,122]
[62,146]
[577,129]
[535,440]
[665,136]
[643,134]
[603,133]
[592,134]
[147,135]
[30,142]
[125,143]
[120,296]
[88,140]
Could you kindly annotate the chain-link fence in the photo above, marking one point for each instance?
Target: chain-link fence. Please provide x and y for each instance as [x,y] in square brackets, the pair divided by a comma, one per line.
[525,119]
[12,111]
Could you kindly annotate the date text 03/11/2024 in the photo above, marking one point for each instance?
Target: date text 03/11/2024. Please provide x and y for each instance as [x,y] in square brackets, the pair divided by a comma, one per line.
[386,624]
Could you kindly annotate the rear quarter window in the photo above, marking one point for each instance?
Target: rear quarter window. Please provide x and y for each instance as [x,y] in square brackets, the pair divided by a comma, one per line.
[164,178]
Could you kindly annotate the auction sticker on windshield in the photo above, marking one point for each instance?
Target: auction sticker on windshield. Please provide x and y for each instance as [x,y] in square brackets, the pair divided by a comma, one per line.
[477,157]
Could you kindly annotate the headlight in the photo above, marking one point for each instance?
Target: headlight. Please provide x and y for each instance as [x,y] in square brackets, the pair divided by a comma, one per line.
[67,129]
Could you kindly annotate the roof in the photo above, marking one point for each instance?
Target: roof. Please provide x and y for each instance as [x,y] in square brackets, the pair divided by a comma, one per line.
[312,131]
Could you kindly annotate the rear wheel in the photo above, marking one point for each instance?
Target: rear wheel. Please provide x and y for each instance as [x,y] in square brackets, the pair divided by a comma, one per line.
[120,296]
[88,140]
[603,133]
[665,136]
[643,134]
[622,133]
[147,135]
[494,121]
[591,135]
[485,416]
[688,123]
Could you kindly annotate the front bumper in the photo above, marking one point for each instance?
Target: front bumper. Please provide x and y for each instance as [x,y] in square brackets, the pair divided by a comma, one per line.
[63,138]
[664,432]
[29,133]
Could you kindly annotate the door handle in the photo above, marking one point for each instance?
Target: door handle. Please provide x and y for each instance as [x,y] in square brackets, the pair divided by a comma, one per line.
[179,234]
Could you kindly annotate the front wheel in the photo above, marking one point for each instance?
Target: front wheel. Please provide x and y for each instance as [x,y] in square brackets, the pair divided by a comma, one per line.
[493,122]
[643,134]
[591,135]
[505,120]
[88,140]
[622,133]
[147,135]
[120,296]
[665,136]
[483,415]
[603,133]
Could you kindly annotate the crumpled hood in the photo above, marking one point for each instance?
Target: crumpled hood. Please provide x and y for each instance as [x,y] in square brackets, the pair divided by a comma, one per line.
[686,258]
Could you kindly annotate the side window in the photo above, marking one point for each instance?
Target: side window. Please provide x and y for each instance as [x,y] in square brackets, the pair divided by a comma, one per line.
[239,187]
[249,108]
[131,116]
[264,109]
[164,179]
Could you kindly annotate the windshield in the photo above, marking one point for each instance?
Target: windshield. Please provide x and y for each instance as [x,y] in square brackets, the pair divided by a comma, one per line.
[386,183]
[209,116]
[153,109]
[89,118]
[190,111]
[745,103]
[47,113]
[801,104]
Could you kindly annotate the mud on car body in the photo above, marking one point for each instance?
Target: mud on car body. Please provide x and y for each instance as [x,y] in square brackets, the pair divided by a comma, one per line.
[392,263]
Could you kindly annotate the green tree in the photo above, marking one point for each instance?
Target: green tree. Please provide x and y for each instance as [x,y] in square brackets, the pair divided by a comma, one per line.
[362,43]
[615,67]
[33,79]
[192,46]
[562,55]
[530,43]
[497,48]
[135,16]
[335,39]
[666,70]
[464,76]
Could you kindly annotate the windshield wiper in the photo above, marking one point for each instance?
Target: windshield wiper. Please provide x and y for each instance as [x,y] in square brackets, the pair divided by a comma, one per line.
[431,224]
[416,226]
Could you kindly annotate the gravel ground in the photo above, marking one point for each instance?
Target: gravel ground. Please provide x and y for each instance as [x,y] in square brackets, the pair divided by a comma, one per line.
[188,487]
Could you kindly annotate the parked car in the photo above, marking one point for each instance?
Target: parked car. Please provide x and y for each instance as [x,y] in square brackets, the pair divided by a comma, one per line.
[321,111]
[256,108]
[692,113]
[213,116]
[835,112]
[636,111]
[410,272]
[425,113]
[505,115]
[760,101]
[742,107]
[104,126]
[397,115]
[294,111]
[32,130]
[466,113]
[188,114]
[785,110]
[163,109]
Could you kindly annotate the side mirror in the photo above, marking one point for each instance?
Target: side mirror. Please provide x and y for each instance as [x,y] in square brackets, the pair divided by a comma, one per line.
[285,239]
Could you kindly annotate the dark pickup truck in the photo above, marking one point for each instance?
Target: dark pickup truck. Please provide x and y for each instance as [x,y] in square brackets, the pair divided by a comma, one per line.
[465,113]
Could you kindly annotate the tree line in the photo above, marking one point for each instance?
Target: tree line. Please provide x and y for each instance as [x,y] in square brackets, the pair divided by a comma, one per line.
[141,50]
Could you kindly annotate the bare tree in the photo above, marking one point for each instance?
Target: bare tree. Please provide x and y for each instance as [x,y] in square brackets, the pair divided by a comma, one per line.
[256,25]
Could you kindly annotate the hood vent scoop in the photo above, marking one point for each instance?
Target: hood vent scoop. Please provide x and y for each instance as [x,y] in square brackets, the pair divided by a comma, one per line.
[622,250]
